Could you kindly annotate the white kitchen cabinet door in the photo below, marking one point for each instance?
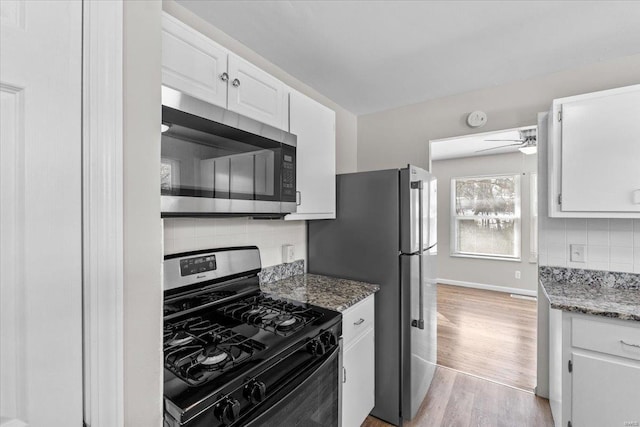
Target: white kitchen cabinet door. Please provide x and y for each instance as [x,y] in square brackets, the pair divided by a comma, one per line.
[596,155]
[256,94]
[605,391]
[358,392]
[40,213]
[192,63]
[314,125]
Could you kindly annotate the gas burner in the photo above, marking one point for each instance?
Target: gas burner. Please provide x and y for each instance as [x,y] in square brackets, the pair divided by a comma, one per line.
[277,316]
[198,350]
[181,337]
[212,355]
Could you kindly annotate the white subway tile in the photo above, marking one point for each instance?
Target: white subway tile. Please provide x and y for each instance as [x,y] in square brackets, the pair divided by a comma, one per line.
[621,268]
[557,262]
[597,254]
[184,228]
[556,237]
[604,266]
[557,251]
[597,235]
[621,255]
[621,232]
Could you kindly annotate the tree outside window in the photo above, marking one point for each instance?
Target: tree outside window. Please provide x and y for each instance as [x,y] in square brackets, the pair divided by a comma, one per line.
[486,216]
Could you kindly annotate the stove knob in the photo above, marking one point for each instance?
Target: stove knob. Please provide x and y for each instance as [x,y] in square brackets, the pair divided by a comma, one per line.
[227,411]
[329,339]
[316,348]
[255,391]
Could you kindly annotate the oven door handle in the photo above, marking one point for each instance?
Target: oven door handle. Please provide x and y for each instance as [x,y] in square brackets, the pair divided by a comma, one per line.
[328,359]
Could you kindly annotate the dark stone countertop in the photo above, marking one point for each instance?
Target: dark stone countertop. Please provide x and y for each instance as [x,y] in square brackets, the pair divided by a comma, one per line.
[613,295]
[328,292]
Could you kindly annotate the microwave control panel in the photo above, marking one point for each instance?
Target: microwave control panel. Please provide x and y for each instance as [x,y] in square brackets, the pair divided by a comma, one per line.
[288,172]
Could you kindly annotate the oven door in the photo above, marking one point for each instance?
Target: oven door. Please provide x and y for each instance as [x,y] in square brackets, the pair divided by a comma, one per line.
[315,401]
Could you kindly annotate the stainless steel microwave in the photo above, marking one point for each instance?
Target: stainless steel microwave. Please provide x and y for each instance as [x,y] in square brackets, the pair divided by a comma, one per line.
[216,162]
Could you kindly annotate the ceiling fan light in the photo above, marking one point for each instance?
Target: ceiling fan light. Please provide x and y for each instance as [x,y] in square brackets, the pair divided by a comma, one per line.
[528,150]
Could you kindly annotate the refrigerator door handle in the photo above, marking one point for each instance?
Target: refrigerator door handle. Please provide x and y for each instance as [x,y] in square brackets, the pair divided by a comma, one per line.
[419,323]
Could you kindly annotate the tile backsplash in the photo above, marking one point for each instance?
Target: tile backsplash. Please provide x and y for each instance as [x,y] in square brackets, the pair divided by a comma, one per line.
[189,234]
[610,244]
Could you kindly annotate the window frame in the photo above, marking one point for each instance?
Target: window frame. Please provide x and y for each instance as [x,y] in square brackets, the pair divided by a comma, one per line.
[517,218]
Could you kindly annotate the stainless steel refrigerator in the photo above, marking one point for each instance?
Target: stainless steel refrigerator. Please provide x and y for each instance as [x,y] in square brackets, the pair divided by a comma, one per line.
[385,233]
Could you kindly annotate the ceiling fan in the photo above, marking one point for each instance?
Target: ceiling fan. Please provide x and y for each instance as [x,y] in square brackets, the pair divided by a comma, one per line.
[526,143]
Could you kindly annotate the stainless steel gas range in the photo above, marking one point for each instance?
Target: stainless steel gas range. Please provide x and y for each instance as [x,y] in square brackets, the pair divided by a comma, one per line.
[234,356]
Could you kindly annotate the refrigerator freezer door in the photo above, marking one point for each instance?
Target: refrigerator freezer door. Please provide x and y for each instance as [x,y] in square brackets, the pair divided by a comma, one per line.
[419,346]
[410,209]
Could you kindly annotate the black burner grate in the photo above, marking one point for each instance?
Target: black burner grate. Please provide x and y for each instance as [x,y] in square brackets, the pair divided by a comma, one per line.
[198,350]
[277,316]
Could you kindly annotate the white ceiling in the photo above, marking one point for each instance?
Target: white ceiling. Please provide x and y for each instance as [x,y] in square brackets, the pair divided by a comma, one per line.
[468,146]
[374,55]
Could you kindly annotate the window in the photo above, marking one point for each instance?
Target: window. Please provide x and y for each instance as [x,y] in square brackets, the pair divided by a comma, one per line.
[169,174]
[486,216]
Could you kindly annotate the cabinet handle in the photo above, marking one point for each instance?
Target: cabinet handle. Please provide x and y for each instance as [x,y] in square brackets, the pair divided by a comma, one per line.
[629,344]
[298,198]
[344,374]
[224,77]
[359,322]
[235,82]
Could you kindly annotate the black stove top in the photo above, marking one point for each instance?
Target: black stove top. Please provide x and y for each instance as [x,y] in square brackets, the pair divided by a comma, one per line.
[218,336]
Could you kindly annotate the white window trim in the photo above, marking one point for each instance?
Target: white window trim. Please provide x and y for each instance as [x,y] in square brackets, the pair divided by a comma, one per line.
[517,217]
[533,218]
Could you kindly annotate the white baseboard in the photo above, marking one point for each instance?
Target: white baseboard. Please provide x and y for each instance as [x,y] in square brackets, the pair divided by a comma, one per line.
[497,288]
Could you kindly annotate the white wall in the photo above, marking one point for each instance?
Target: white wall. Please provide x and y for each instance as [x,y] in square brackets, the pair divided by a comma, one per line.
[399,136]
[142,225]
[482,271]
[188,234]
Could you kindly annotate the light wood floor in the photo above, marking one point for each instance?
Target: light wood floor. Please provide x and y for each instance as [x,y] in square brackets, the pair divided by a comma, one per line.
[488,334]
[457,399]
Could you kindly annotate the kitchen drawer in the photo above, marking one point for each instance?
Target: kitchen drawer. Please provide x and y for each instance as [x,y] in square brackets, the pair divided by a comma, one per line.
[607,337]
[357,319]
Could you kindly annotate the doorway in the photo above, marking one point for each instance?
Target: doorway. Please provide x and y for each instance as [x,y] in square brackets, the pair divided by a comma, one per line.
[487,259]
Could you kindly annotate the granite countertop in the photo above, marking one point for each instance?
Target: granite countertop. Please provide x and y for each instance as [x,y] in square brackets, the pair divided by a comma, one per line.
[328,292]
[614,295]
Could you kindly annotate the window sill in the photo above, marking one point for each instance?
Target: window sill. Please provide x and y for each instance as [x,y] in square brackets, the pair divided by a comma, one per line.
[492,258]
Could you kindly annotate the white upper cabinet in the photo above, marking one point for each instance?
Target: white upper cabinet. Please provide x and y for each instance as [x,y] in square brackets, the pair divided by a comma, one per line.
[315,126]
[193,63]
[594,155]
[256,94]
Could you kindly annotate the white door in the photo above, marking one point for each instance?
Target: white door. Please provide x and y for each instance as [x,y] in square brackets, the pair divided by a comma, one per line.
[192,63]
[604,391]
[314,125]
[40,213]
[601,152]
[256,94]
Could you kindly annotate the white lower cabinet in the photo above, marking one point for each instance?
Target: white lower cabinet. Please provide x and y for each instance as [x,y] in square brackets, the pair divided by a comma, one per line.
[594,370]
[358,372]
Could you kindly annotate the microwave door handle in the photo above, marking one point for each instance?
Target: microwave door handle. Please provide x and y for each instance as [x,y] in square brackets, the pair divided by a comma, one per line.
[419,323]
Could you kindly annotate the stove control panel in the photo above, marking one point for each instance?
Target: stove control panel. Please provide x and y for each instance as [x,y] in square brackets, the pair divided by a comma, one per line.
[197,265]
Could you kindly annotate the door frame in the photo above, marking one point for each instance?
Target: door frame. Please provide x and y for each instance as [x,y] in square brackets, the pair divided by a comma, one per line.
[102,212]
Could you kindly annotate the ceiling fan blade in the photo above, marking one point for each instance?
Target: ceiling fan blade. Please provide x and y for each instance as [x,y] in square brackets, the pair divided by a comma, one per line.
[495,148]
